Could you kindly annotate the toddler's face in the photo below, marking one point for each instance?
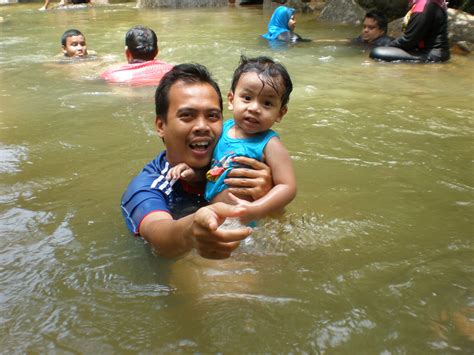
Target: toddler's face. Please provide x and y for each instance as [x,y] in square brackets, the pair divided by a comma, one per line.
[256,105]
[75,47]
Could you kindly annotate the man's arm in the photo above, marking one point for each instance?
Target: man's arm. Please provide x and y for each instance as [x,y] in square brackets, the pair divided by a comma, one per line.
[254,182]
[172,238]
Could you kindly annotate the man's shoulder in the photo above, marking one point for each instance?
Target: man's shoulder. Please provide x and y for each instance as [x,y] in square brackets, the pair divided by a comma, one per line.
[149,72]
[383,41]
[357,40]
[153,170]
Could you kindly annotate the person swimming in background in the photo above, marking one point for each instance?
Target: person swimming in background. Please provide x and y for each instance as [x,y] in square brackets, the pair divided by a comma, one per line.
[141,49]
[374,30]
[73,44]
[281,26]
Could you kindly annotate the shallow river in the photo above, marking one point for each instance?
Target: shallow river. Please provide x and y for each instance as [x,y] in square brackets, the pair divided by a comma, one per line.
[374,256]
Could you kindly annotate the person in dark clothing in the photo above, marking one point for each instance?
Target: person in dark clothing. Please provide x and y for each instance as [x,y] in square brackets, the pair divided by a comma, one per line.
[374,30]
[64,3]
[425,38]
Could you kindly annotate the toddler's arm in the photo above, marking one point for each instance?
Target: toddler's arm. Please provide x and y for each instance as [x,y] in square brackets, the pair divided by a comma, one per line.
[284,189]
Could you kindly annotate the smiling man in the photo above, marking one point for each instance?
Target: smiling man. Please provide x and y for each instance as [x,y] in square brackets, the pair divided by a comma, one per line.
[174,218]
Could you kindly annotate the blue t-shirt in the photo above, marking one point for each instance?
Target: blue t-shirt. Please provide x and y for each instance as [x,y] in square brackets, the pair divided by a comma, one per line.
[226,149]
[150,192]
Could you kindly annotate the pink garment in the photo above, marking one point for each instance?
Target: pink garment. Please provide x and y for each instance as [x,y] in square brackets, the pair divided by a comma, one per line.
[441,3]
[139,74]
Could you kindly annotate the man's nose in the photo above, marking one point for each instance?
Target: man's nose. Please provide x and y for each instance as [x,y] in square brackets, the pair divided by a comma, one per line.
[201,124]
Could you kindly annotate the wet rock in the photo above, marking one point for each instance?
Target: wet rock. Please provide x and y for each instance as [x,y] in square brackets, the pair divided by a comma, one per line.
[343,11]
[461,26]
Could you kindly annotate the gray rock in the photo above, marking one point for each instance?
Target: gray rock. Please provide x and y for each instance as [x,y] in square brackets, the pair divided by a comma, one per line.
[460,26]
[343,11]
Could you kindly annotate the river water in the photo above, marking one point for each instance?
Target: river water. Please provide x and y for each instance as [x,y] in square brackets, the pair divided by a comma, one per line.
[374,256]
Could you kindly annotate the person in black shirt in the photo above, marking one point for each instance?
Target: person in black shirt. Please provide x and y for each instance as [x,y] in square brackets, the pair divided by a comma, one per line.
[425,37]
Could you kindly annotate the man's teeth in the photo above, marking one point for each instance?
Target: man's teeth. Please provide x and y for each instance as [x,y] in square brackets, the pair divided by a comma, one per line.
[200,145]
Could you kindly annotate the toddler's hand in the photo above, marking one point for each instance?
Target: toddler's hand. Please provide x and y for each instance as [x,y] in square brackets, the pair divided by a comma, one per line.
[180,171]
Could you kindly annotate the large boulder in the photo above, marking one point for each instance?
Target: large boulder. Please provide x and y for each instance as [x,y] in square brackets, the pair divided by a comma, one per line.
[343,11]
[461,26]
[391,8]
[175,4]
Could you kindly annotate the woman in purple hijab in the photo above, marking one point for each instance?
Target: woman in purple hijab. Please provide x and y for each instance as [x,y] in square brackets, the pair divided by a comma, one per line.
[425,36]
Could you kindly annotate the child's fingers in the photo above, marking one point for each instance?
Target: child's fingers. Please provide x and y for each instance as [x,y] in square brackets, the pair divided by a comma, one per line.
[186,173]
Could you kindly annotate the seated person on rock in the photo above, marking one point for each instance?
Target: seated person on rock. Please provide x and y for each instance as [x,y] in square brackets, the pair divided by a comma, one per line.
[175,218]
[281,26]
[141,48]
[63,3]
[374,30]
[425,37]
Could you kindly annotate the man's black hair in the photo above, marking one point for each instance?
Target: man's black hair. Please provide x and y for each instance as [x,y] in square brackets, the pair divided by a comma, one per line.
[379,17]
[142,43]
[70,33]
[188,73]
[270,72]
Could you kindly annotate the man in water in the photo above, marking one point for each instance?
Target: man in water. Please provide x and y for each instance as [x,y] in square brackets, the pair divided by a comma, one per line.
[141,48]
[175,218]
[374,30]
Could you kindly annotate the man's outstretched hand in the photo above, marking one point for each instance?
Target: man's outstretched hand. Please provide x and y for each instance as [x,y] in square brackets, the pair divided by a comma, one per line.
[210,241]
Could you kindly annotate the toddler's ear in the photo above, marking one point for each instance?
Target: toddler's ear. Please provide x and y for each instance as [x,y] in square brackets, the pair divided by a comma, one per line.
[230,100]
[282,112]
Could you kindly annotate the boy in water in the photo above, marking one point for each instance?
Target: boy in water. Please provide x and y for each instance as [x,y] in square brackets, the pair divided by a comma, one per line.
[74,44]
[258,98]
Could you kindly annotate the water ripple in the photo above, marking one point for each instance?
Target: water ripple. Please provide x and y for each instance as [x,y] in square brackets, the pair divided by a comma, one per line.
[305,232]
[11,157]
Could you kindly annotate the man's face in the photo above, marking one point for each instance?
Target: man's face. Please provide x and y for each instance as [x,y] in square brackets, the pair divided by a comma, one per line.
[75,47]
[371,30]
[194,124]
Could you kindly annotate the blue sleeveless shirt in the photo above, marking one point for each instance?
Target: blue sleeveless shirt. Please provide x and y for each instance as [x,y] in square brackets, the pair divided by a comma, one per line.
[226,149]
